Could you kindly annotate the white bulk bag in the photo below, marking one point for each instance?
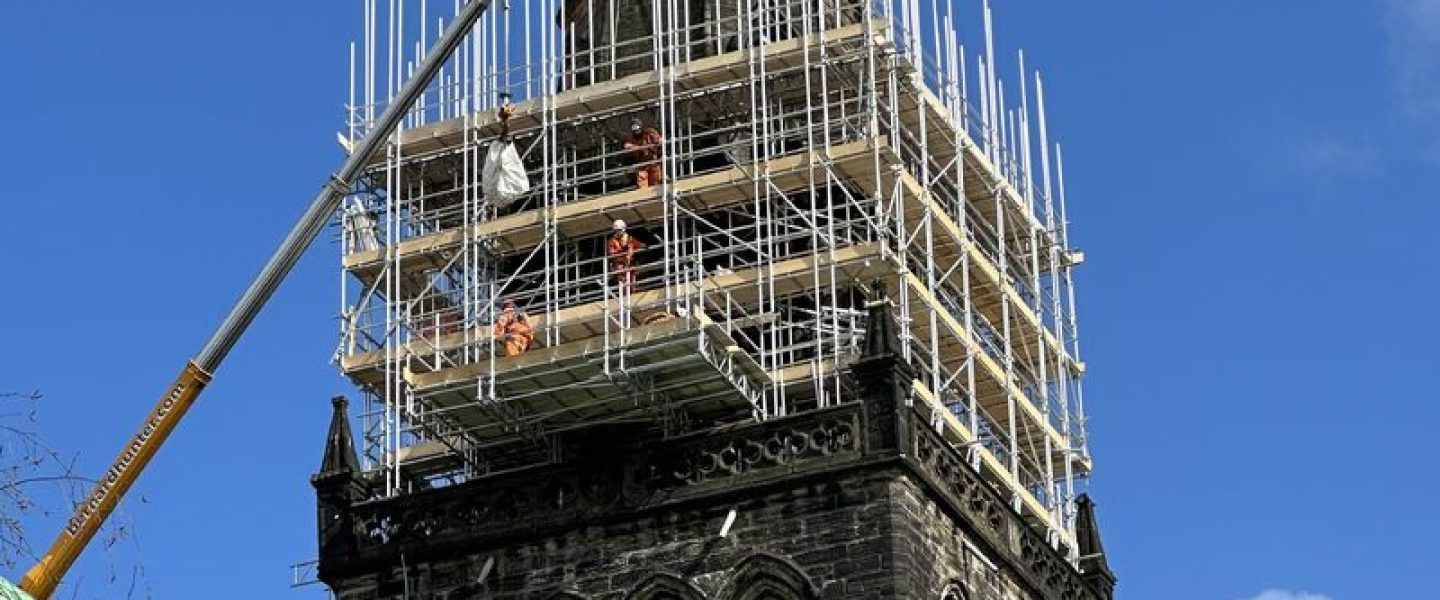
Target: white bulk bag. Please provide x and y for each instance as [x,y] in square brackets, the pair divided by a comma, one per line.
[362,227]
[503,178]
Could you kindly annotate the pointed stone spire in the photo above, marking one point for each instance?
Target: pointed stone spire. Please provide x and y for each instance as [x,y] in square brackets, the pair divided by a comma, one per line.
[338,486]
[1093,566]
[340,454]
[880,337]
[884,379]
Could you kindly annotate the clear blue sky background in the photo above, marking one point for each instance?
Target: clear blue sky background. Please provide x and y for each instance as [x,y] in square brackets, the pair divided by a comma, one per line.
[1253,182]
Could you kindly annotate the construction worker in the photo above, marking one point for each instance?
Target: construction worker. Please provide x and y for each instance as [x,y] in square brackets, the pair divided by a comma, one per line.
[665,315]
[506,111]
[512,331]
[621,248]
[643,146]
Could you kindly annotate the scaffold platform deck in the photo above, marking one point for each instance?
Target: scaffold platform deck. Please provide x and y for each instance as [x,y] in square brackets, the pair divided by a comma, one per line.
[685,364]
[607,97]
[856,264]
[593,216]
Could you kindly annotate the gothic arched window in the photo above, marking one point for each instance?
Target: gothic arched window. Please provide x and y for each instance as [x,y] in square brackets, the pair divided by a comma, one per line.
[664,586]
[764,577]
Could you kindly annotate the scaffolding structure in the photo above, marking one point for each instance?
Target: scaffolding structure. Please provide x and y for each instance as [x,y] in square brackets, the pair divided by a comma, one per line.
[812,149]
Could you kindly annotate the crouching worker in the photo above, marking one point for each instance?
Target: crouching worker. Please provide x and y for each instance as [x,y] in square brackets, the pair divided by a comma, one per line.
[513,333]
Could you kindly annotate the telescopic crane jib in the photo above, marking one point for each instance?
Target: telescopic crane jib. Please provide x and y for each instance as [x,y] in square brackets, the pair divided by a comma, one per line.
[42,579]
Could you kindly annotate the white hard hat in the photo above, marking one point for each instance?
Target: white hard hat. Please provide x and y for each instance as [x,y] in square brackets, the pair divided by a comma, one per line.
[619,225]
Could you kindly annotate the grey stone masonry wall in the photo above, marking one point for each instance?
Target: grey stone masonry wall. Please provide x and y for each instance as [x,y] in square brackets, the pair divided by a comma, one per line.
[934,552]
[818,516]
[611,42]
[609,39]
[816,539]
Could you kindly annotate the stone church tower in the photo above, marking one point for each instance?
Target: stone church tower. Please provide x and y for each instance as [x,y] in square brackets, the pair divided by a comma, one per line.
[841,362]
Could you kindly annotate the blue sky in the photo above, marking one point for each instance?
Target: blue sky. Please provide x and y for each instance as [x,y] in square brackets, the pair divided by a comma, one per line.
[1253,183]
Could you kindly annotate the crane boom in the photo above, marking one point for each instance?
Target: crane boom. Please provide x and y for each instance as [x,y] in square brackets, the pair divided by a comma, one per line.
[42,579]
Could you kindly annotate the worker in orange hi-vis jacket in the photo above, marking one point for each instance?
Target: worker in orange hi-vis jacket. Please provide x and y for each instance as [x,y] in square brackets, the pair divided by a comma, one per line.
[643,146]
[621,248]
[513,332]
[506,111]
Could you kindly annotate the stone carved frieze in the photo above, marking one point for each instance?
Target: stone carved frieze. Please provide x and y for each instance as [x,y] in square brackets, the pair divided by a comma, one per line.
[765,449]
[983,506]
[587,488]
[691,467]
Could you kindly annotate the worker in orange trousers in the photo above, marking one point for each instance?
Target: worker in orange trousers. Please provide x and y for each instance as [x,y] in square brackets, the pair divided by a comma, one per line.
[513,331]
[643,146]
[621,248]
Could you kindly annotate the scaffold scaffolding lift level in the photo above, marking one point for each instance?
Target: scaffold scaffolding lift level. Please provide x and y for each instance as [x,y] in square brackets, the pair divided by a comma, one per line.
[772,161]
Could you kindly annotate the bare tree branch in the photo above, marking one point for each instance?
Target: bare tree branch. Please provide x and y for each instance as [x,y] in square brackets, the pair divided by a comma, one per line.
[36,480]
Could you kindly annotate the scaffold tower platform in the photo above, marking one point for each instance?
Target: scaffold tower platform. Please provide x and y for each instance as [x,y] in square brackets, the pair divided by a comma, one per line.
[810,150]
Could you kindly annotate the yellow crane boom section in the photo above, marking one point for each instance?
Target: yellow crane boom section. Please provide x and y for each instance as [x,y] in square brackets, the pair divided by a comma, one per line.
[41,580]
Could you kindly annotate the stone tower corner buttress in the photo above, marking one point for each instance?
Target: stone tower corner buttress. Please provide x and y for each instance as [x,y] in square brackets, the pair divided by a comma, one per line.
[338,485]
[884,377]
[1094,567]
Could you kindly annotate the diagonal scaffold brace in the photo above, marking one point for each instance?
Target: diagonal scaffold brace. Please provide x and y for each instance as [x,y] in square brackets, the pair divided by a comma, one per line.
[42,579]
